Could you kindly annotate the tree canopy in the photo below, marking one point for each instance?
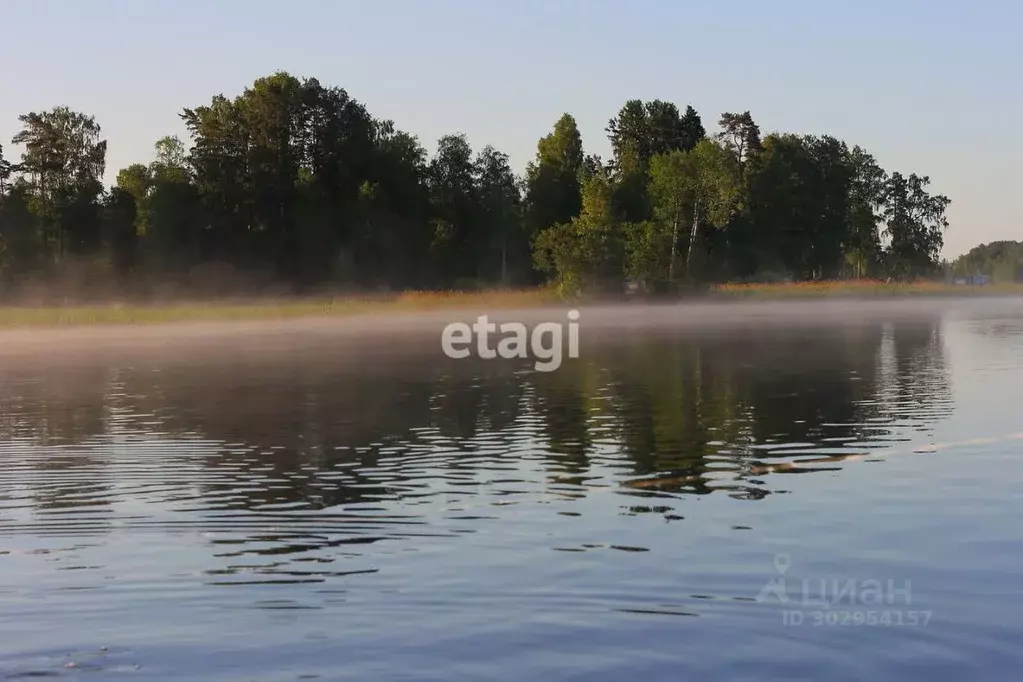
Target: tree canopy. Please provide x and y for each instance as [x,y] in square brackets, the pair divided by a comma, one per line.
[295,183]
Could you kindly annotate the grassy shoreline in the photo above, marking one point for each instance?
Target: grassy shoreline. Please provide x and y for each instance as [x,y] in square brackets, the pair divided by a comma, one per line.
[20,316]
[136,313]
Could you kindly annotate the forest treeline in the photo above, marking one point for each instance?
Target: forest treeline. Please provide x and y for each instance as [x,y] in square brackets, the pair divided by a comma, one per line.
[296,183]
[1001,261]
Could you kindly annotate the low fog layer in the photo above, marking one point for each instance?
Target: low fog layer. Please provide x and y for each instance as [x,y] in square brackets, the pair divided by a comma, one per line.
[393,333]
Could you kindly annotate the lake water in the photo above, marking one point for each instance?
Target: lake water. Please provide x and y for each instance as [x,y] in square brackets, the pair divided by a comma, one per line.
[783,491]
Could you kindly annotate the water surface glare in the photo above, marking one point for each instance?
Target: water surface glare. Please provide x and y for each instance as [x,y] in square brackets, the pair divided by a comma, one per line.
[337,500]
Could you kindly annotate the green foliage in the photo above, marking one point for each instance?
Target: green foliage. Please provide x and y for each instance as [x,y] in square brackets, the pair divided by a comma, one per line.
[863,206]
[63,163]
[121,236]
[501,238]
[454,204]
[586,253]
[21,250]
[552,186]
[816,209]
[637,134]
[798,194]
[643,130]
[648,250]
[915,225]
[6,170]
[740,135]
[689,190]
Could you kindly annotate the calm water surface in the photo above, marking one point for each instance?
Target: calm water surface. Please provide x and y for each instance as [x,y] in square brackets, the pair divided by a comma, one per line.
[677,503]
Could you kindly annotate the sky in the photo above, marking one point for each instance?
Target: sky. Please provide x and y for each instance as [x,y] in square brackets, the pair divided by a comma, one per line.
[926,86]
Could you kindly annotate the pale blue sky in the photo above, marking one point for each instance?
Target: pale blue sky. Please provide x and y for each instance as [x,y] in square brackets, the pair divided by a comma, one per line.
[926,86]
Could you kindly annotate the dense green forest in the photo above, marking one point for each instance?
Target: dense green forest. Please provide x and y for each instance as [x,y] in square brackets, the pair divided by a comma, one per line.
[1002,261]
[296,184]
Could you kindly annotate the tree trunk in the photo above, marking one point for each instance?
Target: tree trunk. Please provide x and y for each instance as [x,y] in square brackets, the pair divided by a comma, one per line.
[674,246]
[692,236]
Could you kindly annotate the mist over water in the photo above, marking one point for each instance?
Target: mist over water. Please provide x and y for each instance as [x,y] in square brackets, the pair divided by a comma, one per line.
[336,499]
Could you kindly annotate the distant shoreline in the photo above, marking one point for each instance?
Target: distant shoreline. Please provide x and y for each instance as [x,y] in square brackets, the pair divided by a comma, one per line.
[283,308]
[868,289]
